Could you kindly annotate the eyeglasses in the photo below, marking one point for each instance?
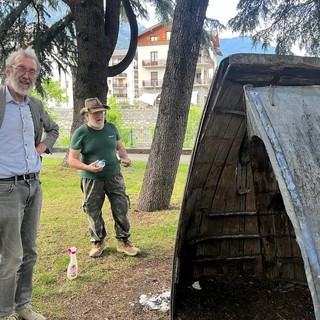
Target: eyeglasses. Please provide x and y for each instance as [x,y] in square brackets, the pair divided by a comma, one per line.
[21,71]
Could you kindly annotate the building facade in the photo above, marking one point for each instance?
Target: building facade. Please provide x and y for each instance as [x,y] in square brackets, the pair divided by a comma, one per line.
[124,85]
[153,46]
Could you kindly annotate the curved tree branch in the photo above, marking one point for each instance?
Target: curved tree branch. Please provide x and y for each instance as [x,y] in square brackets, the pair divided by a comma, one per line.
[123,65]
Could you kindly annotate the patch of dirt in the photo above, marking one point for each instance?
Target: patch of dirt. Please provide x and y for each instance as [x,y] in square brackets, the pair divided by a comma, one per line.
[119,299]
[240,298]
[244,298]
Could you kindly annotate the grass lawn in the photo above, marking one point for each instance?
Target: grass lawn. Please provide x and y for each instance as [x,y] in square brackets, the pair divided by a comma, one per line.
[63,224]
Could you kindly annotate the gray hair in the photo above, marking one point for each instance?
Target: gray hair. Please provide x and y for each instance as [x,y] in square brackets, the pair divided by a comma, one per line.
[28,53]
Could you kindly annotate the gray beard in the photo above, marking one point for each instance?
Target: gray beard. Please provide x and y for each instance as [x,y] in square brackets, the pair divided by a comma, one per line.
[15,86]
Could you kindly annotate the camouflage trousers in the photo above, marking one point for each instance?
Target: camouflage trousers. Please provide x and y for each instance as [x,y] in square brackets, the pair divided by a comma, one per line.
[94,193]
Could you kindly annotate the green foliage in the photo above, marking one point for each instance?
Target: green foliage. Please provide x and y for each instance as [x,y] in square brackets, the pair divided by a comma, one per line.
[52,95]
[194,118]
[63,141]
[25,23]
[127,137]
[192,127]
[48,25]
[163,9]
[114,115]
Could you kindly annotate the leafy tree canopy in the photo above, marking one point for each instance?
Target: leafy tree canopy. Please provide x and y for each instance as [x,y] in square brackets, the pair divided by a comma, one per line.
[282,22]
[48,25]
[28,22]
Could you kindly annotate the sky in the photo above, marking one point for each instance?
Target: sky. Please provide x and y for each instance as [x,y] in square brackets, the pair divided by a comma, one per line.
[222,10]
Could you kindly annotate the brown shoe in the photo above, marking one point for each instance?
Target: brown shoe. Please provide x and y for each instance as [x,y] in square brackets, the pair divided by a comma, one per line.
[128,248]
[97,249]
[29,314]
[14,316]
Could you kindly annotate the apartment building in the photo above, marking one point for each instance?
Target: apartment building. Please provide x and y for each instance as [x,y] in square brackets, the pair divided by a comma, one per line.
[124,85]
[143,79]
[153,46]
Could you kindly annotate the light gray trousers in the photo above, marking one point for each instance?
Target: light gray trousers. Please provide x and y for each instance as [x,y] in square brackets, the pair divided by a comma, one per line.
[20,206]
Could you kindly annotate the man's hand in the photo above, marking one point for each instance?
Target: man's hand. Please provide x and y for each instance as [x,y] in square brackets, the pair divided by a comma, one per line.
[125,162]
[92,167]
[41,148]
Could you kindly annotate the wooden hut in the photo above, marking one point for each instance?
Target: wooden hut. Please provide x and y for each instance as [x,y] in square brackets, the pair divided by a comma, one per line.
[251,200]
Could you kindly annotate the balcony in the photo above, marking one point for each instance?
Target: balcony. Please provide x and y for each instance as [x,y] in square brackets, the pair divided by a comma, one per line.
[119,92]
[121,75]
[154,63]
[205,61]
[202,82]
[120,95]
[119,85]
[152,83]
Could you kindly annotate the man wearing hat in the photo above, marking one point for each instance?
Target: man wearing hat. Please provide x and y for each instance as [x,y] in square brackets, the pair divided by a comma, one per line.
[98,142]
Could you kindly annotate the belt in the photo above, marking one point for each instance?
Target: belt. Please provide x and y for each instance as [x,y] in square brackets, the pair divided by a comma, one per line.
[22,177]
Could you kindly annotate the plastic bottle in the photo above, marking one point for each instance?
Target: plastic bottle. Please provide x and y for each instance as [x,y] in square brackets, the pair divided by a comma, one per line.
[101,164]
[72,271]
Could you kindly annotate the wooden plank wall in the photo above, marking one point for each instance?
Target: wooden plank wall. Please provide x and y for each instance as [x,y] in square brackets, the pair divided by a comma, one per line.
[221,231]
[280,252]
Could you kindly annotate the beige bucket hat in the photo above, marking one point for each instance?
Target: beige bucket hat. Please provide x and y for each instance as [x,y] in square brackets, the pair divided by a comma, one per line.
[92,105]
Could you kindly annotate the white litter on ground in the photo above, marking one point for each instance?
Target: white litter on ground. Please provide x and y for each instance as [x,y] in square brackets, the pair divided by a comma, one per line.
[196,285]
[159,301]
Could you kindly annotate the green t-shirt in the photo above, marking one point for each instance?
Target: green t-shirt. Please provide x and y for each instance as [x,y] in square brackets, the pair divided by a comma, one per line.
[97,145]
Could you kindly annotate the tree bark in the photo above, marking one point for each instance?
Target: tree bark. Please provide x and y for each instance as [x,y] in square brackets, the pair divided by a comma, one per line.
[95,47]
[93,55]
[174,105]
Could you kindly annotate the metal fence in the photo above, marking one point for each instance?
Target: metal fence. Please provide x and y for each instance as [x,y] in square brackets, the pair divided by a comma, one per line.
[131,138]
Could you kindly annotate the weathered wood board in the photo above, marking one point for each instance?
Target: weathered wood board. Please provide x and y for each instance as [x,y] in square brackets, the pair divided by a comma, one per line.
[287,120]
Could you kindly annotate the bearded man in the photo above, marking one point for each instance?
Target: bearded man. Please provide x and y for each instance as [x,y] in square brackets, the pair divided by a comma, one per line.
[94,150]
[22,122]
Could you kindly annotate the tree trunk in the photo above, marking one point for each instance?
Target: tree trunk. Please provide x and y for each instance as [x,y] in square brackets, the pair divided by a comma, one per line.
[174,105]
[93,55]
[96,41]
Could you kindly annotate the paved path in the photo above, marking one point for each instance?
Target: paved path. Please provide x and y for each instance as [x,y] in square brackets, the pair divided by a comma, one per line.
[185,158]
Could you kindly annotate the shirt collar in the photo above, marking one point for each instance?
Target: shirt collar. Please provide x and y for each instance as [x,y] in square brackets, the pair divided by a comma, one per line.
[9,98]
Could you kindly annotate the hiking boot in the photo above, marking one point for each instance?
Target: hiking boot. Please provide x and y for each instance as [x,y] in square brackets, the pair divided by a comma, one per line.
[128,248]
[97,249]
[14,316]
[29,314]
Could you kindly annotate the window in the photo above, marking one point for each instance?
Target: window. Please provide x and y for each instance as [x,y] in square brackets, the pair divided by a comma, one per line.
[154,38]
[154,58]
[198,77]
[154,78]
[168,35]
[154,55]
